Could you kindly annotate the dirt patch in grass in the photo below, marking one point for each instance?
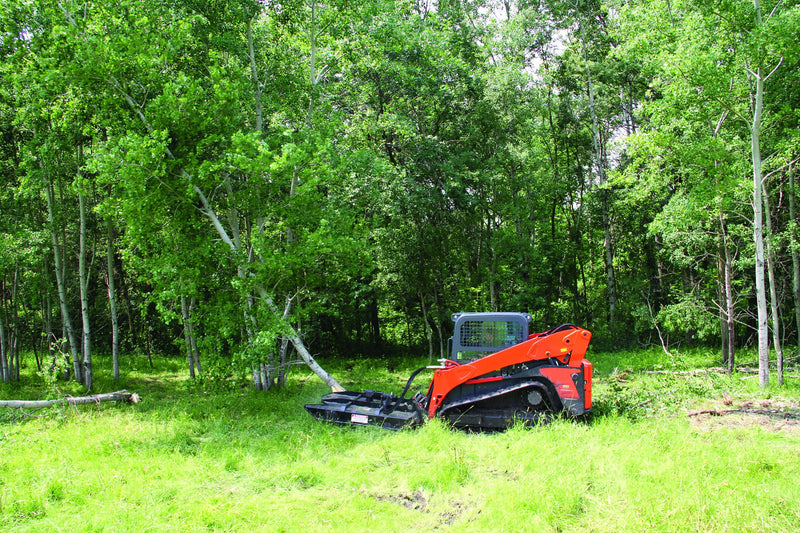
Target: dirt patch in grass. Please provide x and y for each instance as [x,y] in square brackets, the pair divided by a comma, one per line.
[448,518]
[776,415]
[417,501]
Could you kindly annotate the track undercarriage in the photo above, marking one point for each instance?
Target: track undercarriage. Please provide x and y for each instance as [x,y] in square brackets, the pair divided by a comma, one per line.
[500,408]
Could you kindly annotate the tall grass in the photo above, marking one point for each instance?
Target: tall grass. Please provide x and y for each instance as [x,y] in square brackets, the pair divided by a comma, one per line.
[201,459]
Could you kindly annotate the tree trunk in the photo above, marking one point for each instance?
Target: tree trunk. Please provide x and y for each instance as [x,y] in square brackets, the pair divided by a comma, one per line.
[60,283]
[795,259]
[84,290]
[15,326]
[193,340]
[374,322]
[428,329]
[187,335]
[257,376]
[4,372]
[112,302]
[283,359]
[758,238]
[47,317]
[723,321]
[493,301]
[728,281]
[773,291]
[258,86]
[758,220]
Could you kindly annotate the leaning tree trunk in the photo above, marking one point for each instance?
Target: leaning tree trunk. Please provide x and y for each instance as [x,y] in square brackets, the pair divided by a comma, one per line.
[291,333]
[298,344]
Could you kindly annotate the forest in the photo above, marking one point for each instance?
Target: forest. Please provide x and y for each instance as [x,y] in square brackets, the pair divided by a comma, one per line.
[253,184]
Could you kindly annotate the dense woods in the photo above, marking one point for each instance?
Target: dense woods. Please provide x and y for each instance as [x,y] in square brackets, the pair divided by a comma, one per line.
[256,183]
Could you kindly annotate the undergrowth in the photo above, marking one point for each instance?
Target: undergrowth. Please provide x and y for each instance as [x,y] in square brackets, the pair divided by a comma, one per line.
[228,458]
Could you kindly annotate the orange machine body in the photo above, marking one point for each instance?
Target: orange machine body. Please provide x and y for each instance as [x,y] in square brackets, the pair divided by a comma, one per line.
[568,371]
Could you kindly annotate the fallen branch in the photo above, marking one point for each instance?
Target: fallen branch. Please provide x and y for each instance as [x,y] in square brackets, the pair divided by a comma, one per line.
[698,371]
[712,412]
[772,363]
[119,396]
[712,370]
[774,413]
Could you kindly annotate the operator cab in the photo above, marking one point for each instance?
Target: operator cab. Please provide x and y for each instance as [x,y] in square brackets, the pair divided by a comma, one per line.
[477,335]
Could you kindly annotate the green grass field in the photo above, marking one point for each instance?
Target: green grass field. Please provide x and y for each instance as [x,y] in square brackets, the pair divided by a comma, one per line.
[189,458]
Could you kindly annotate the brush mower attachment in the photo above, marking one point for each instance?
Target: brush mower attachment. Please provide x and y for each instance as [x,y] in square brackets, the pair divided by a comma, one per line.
[370,407]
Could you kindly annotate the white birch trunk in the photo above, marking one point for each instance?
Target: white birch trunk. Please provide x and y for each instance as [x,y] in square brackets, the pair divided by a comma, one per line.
[83,277]
[62,291]
[112,302]
[757,95]
[773,291]
[758,235]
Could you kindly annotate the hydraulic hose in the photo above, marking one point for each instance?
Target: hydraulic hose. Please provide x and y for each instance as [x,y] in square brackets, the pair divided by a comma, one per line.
[385,407]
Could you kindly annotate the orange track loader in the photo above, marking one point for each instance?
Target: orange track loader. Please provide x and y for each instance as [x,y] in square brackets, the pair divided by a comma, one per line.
[498,374]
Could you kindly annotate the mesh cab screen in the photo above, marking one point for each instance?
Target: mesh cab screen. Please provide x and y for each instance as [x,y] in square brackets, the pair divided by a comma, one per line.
[479,334]
[483,335]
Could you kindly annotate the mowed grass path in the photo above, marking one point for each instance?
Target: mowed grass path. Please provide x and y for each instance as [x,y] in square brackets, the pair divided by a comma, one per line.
[193,459]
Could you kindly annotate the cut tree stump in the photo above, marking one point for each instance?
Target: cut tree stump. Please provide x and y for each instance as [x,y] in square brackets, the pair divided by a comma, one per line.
[119,396]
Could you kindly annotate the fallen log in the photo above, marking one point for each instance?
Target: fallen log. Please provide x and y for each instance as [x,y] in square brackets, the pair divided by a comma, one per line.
[119,396]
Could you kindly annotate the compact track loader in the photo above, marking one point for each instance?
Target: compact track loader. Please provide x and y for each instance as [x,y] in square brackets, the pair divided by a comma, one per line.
[497,375]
